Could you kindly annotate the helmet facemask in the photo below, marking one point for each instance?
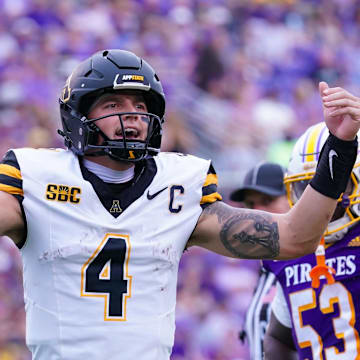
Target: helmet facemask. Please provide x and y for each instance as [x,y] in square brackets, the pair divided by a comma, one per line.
[126,148]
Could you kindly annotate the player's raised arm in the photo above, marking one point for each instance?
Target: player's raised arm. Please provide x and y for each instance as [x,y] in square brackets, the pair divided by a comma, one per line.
[255,234]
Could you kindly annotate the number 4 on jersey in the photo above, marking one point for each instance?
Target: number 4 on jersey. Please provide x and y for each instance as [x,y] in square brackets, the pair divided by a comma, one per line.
[105,274]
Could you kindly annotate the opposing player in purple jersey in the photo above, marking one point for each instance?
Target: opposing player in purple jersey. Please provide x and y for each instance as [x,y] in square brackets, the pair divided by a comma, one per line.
[309,322]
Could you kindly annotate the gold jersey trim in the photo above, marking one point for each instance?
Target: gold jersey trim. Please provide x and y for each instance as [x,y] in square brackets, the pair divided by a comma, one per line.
[11,189]
[10,171]
[208,199]
[211,179]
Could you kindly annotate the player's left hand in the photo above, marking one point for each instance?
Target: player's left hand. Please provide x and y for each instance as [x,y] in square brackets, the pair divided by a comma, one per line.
[341,111]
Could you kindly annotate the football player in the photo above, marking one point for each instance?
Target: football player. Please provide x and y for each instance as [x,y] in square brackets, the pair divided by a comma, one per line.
[102,225]
[317,317]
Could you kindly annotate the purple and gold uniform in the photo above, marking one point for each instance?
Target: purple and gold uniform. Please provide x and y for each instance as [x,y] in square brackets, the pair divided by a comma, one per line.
[325,321]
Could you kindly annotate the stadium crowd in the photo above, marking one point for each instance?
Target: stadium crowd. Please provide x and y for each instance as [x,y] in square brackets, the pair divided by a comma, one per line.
[241,82]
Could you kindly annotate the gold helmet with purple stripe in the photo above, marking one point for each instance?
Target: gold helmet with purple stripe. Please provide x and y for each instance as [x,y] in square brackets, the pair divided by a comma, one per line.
[301,169]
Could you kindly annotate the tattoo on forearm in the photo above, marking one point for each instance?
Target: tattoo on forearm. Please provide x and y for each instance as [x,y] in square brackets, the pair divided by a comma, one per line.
[247,234]
[250,235]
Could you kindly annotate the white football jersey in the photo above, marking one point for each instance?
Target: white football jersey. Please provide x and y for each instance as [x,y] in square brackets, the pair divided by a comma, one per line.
[100,276]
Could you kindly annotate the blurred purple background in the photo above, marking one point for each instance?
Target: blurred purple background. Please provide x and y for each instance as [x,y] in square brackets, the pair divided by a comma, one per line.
[241,82]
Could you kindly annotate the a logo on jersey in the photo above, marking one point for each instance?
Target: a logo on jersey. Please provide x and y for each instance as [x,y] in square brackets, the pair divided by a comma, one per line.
[355,242]
[63,193]
[299,273]
[115,207]
[152,196]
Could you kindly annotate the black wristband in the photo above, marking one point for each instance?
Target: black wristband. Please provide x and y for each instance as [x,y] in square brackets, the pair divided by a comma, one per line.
[337,159]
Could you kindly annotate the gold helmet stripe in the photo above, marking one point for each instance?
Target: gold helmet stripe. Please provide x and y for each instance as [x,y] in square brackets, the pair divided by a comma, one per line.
[65,95]
[310,147]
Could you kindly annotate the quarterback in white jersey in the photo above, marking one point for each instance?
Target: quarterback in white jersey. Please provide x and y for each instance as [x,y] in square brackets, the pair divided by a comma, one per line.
[95,276]
[102,225]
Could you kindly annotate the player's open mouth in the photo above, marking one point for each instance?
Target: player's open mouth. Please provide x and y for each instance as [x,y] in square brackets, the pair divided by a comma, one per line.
[130,134]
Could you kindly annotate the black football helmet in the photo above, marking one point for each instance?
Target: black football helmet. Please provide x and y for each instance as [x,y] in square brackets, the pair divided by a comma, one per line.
[110,71]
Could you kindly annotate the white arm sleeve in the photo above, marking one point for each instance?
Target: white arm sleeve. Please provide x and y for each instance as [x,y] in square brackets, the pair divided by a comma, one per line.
[280,308]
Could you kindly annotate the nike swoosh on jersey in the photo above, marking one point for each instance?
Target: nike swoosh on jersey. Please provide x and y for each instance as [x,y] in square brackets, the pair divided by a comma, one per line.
[332,153]
[151,196]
